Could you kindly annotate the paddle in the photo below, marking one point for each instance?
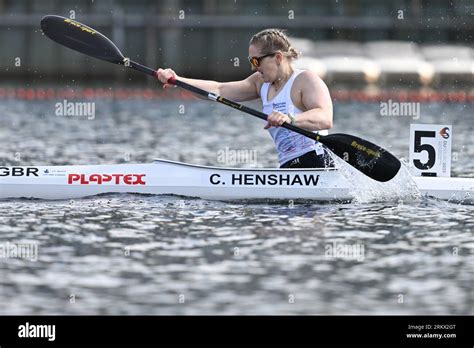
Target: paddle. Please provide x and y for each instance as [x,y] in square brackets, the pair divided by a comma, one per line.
[363,155]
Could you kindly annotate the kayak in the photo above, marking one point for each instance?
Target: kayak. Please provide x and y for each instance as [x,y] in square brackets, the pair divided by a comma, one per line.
[163,177]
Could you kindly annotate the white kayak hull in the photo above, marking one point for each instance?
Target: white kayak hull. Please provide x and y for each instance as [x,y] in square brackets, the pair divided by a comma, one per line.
[173,178]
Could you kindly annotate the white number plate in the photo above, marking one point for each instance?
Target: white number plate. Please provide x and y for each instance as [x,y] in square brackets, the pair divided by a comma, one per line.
[430,149]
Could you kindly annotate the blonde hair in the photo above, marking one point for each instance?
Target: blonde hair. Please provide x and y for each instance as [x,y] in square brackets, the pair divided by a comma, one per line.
[272,40]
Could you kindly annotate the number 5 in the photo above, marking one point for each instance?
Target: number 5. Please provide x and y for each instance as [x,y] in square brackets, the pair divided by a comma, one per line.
[425,147]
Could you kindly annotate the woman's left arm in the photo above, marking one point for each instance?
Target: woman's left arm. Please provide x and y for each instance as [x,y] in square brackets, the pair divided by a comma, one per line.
[316,101]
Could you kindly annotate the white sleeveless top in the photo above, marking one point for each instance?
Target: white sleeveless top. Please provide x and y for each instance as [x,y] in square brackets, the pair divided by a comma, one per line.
[289,144]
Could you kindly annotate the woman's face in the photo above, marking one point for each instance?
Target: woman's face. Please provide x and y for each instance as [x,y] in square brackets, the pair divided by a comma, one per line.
[268,66]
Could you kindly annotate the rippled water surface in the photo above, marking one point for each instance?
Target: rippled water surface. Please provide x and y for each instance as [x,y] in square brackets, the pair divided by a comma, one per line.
[133,254]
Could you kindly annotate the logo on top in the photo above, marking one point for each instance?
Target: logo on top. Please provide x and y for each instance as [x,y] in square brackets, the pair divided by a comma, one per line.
[445,132]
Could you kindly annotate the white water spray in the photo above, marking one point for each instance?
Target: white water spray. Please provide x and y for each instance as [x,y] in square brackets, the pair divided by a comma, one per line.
[401,188]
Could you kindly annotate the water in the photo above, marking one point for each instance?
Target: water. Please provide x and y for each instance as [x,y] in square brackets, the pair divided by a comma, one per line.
[133,254]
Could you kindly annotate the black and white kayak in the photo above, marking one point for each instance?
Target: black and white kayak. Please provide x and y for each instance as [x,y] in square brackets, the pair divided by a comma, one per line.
[163,177]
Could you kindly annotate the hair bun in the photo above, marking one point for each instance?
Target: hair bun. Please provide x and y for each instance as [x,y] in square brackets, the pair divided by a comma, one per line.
[272,39]
[293,53]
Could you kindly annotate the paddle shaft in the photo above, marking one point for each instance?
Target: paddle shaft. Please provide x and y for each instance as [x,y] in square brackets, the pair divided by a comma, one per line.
[217,98]
[142,68]
[235,105]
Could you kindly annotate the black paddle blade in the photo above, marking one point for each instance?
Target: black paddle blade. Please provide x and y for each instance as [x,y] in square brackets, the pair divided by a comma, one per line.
[81,38]
[370,159]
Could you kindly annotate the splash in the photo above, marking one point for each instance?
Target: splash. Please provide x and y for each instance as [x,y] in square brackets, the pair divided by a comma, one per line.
[401,188]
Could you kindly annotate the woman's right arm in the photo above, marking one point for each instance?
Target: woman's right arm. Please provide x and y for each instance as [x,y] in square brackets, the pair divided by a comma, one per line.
[238,91]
